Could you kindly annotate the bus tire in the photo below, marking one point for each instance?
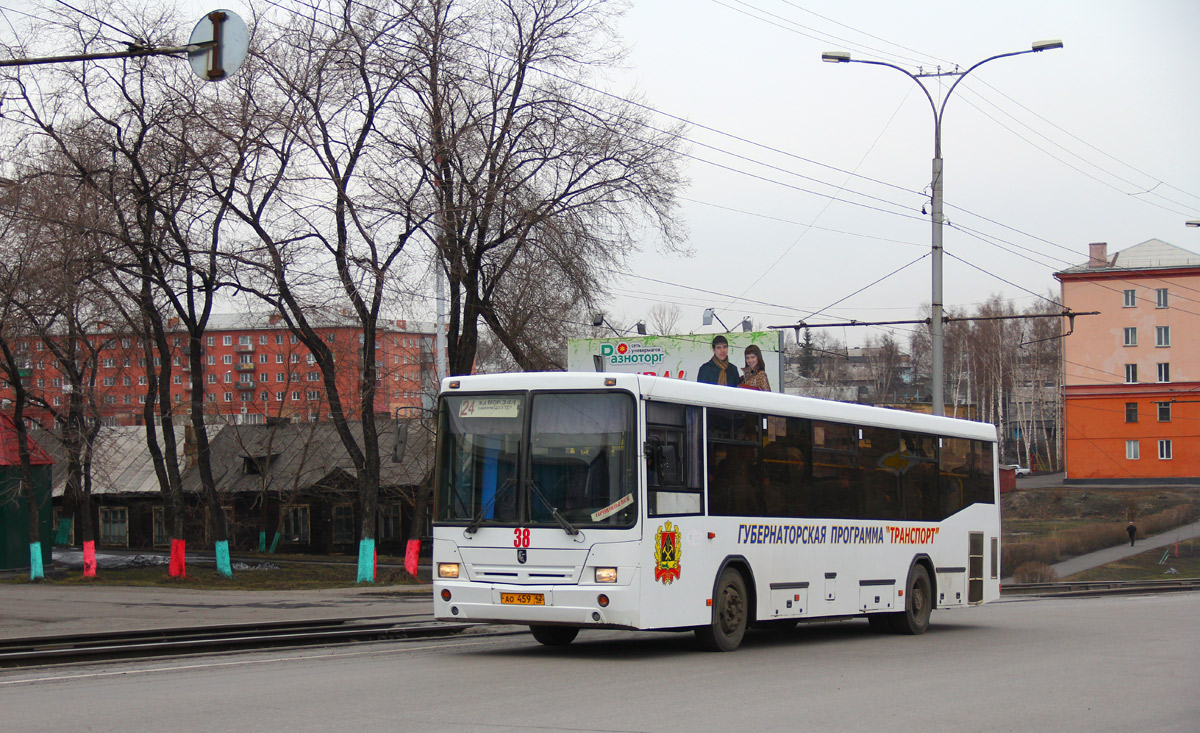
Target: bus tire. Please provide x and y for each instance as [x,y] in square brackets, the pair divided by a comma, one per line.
[554,635]
[918,603]
[730,614]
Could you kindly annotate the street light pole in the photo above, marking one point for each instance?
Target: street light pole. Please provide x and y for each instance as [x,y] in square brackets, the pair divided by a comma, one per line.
[936,333]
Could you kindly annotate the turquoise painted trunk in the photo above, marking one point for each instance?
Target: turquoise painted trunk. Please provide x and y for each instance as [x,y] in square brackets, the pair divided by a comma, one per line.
[366,561]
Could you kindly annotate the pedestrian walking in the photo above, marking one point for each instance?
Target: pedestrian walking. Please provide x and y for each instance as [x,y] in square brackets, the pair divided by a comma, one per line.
[1132,530]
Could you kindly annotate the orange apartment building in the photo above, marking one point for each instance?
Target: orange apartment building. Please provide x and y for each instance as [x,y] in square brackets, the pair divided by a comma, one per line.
[1132,373]
[255,370]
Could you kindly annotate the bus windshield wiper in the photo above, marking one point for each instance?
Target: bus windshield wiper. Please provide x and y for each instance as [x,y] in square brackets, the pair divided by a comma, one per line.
[562,521]
[473,527]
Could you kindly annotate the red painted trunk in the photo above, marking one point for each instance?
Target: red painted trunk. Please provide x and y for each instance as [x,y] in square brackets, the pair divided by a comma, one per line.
[89,559]
[178,567]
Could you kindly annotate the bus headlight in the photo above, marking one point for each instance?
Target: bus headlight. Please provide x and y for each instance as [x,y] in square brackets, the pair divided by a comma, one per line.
[447,570]
[606,575]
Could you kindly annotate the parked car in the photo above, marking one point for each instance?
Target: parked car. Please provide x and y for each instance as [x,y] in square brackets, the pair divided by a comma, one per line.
[1019,469]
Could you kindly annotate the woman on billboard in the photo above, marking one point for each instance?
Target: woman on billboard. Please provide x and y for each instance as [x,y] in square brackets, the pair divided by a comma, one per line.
[754,376]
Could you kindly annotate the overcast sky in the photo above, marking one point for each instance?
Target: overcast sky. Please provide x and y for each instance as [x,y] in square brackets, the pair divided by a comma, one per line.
[807,179]
[1057,148]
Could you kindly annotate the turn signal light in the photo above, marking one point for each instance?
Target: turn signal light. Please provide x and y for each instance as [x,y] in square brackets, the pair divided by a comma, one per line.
[602,600]
[445,594]
[447,570]
[606,575]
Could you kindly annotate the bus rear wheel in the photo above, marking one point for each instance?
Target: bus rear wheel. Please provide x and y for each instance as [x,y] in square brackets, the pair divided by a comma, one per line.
[918,605]
[554,635]
[730,614]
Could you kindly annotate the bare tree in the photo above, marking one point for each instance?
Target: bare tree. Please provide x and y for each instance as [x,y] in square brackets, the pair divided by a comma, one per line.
[527,164]
[125,128]
[320,179]
[664,317]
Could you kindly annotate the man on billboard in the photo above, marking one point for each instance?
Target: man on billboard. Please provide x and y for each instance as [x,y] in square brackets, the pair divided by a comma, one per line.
[718,370]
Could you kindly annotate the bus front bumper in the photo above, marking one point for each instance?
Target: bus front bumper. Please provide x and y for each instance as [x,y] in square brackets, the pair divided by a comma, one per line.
[573,605]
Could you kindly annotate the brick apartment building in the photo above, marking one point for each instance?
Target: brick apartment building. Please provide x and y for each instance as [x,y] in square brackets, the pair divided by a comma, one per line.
[255,369]
[1132,373]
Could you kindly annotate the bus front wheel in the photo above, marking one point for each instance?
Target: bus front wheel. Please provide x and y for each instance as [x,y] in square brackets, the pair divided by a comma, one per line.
[729,615]
[554,635]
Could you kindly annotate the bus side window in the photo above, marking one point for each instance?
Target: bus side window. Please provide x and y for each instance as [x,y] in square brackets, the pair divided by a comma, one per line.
[880,463]
[787,464]
[835,471]
[919,484]
[735,467]
[673,459]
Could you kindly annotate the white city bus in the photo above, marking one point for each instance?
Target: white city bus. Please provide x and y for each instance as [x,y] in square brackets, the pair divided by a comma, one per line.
[588,500]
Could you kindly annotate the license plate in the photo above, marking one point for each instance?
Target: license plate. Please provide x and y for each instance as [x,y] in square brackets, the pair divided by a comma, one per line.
[523,599]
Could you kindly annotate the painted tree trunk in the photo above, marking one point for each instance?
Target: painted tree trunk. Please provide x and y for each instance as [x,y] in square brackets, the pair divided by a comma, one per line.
[412,552]
[178,566]
[224,567]
[89,559]
[35,561]
[366,560]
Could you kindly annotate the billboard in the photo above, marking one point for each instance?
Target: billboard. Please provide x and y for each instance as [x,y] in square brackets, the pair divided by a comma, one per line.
[676,356]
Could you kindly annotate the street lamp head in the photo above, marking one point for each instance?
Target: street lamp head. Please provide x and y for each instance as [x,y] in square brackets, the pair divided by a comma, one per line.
[836,57]
[1047,45]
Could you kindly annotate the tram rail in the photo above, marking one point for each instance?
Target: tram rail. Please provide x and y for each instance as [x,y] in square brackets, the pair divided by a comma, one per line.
[61,649]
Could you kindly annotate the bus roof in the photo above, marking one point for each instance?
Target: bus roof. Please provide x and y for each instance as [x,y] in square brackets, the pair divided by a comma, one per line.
[708,395]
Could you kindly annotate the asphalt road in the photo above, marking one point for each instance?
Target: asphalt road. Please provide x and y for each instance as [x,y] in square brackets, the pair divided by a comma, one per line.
[1111,663]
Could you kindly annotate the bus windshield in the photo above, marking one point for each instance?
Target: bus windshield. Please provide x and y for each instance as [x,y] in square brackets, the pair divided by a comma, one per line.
[579,460]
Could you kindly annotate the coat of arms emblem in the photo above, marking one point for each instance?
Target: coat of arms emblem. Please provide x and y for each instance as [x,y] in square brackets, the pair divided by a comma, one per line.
[667,549]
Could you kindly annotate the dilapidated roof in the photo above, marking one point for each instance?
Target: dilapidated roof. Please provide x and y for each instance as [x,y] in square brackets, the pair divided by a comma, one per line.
[121,462]
[299,455]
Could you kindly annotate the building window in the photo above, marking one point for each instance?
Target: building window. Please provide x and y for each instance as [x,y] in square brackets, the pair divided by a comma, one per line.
[1164,450]
[160,528]
[1164,372]
[210,340]
[246,359]
[1131,374]
[279,396]
[1161,298]
[279,376]
[343,524]
[228,377]
[279,358]
[114,526]
[295,395]
[1133,450]
[262,339]
[1164,412]
[109,363]
[58,401]
[124,380]
[229,396]
[278,338]
[294,340]
[178,379]
[1131,336]
[1131,412]
[314,395]
[1162,335]
[1130,298]
[127,399]
[389,522]
[212,360]
[264,358]
[266,396]
[295,525]
[210,397]
[246,396]
[227,359]
[111,381]
[212,378]
[227,340]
